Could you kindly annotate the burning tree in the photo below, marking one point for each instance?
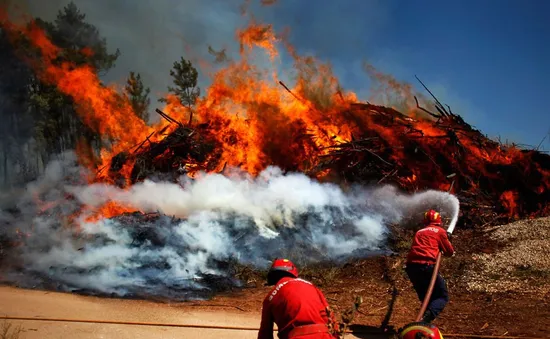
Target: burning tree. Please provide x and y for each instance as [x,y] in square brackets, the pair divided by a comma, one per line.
[36,109]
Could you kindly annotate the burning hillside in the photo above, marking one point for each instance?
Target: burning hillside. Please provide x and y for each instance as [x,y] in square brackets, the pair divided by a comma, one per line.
[261,159]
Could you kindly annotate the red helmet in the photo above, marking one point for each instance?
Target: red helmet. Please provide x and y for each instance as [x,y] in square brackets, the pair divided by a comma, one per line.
[432,217]
[420,330]
[284,265]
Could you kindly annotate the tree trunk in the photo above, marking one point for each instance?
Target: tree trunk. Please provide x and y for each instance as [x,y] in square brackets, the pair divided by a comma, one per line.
[5,162]
[37,164]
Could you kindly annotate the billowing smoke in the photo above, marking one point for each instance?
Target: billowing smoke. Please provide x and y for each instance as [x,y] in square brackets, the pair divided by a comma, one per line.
[152,35]
[181,242]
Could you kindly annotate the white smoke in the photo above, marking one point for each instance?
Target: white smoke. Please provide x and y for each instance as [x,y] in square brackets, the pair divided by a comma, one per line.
[201,224]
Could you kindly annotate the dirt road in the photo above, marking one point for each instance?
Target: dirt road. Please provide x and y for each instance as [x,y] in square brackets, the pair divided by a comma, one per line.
[33,303]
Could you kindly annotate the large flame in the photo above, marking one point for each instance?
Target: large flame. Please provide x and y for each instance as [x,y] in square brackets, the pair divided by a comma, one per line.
[255,118]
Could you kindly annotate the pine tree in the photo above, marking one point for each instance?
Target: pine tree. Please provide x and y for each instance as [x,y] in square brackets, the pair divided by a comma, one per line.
[185,80]
[138,95]
[71,32]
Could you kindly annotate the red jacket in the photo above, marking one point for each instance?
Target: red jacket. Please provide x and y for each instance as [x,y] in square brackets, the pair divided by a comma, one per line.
[427,243]
[292,302]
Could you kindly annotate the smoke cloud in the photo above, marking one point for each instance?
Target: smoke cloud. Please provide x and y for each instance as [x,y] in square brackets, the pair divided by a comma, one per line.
[182,250]
[152,35]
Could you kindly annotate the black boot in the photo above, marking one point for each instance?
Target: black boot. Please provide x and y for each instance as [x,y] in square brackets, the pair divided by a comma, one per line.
[428,317]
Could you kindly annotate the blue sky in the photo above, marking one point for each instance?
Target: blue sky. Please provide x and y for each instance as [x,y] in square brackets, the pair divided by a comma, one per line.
[487,59]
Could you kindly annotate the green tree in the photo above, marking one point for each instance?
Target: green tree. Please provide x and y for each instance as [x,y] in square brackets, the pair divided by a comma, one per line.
[81,41]
[185,80]
[138,95]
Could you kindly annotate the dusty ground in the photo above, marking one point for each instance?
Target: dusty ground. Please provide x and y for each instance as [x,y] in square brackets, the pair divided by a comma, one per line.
[42,304]
[498,283]
[33,303]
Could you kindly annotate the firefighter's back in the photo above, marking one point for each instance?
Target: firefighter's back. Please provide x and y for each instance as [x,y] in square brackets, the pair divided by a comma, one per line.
[297,302]
[425,245]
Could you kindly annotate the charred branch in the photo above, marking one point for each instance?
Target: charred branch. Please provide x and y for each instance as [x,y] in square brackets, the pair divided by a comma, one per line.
[289,91]
[438,105]
[168,118]
[143,143]
[425,110]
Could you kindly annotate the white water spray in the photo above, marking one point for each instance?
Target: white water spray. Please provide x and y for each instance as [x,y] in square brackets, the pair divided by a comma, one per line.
[204,223]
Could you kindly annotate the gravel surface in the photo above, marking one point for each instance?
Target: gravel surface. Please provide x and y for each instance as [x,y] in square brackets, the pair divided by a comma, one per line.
[521,262]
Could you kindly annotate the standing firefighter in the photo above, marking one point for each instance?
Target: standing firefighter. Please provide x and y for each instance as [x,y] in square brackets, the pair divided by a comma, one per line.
[299,309]
[427,244]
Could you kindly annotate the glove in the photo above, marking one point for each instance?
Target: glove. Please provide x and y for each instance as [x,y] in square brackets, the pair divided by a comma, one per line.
[449,236]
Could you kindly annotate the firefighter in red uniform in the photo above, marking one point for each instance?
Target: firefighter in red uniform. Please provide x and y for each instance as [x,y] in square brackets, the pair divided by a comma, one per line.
[299,309]
[427,244]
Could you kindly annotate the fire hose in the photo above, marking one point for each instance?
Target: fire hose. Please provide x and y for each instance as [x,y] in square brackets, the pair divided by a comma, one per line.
[233,328]
[430,288]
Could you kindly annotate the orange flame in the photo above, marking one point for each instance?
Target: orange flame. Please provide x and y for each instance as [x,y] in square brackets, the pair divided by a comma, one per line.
[101,107]
[259,121]
[108,210]
[508,199]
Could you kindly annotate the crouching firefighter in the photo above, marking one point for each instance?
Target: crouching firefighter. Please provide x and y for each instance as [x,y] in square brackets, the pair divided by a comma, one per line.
[299,309]
[427,243]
